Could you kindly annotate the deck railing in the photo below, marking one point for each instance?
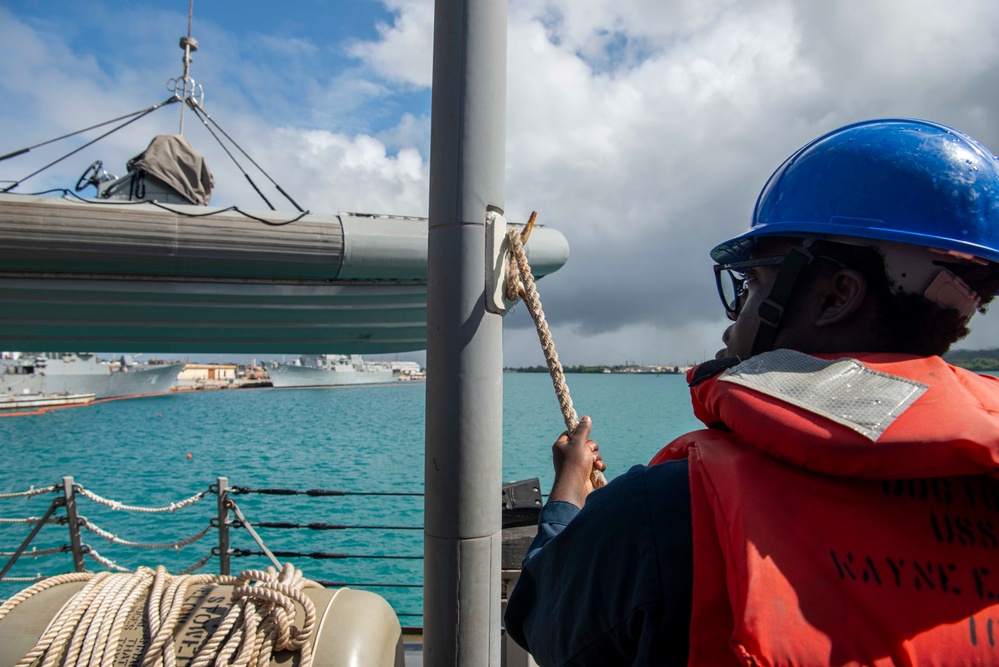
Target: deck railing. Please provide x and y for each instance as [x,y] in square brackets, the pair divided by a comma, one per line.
[231,523]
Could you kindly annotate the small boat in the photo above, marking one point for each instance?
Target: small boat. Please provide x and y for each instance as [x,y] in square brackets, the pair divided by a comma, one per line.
[33,402]
[148,264]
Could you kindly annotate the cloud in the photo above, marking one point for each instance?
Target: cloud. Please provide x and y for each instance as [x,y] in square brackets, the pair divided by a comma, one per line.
[642,343]
[54,89]
[405,50]
[335,172]
[324,170]
[641,129]
[649,159]
[647,165]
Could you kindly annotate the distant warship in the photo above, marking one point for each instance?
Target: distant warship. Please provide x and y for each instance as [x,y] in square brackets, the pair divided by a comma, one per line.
[83,373]
[329,370]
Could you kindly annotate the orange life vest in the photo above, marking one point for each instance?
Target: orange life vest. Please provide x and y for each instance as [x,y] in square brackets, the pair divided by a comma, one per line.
[818,541]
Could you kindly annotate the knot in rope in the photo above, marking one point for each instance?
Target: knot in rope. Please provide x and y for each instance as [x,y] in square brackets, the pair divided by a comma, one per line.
[520,282]
[261,619]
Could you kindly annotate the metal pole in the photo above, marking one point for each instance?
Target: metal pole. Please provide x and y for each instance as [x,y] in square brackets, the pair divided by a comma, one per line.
[58,502]
[464,342]
[69,493]
[223,516]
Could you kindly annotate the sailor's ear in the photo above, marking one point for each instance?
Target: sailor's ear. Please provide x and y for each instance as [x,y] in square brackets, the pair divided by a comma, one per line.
[843,294]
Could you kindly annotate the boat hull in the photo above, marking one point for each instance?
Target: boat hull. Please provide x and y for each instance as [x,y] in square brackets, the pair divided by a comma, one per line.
[39,401]
[109,278]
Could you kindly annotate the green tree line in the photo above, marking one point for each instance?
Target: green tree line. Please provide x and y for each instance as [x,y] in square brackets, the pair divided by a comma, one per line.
[974,360]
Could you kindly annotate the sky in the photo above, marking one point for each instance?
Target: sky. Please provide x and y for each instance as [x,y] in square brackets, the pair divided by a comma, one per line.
[642,130]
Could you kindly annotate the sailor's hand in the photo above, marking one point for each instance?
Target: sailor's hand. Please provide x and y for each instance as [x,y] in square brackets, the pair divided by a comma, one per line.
[574,458]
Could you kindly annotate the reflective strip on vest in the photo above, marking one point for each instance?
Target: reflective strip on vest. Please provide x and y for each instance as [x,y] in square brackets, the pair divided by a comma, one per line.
[843,390]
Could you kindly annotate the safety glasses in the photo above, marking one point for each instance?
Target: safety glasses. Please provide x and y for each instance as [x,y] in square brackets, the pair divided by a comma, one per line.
[731,281]
[732,285]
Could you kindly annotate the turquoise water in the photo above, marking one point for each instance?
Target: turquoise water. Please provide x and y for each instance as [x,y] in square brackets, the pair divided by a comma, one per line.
[358,439]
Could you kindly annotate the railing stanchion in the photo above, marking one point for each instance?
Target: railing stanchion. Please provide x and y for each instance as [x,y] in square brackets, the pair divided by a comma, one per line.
[69,493]
[34,531]
[223,512]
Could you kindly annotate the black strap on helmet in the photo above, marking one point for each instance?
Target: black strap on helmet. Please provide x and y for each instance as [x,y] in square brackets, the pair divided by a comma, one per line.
[772,307]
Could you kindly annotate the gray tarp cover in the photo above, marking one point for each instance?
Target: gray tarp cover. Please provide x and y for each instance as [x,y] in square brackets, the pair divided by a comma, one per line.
[173,160]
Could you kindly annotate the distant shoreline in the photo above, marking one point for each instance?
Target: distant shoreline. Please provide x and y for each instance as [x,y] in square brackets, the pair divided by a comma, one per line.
[972,360]
[607,370]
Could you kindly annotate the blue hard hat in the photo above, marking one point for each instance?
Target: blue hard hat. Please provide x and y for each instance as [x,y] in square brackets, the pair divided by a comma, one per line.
[908,181]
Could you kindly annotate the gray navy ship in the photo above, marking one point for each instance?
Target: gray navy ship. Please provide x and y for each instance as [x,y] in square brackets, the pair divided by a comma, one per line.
[329,370]
[83,373]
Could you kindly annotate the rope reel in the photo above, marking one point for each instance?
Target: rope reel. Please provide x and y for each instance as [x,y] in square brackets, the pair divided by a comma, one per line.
[520,283]
[155,619]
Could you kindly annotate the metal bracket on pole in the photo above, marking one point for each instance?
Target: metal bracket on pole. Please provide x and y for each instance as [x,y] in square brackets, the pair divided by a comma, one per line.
[222,500]
[73,519]
[497,261]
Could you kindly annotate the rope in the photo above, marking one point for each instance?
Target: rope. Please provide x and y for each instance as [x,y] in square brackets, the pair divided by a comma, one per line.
[527,291]
[88,628]
[34,553]
[7,606]
[30,519]
[106,562]
[21,580]
[115,505]
[30,492]
[114,539]
[200,564]
[109,564]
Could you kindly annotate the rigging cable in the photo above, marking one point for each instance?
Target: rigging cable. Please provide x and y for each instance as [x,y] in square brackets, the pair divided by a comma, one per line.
[199,111]
[141,114]
[182,213]
[236,490]
[28,149]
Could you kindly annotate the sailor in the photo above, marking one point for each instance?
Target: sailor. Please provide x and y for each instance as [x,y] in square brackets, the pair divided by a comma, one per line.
[841,505]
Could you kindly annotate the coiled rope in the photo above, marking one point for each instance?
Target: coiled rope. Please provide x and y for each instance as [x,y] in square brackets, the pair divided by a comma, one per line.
[87,629]
[520,282]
